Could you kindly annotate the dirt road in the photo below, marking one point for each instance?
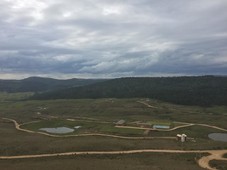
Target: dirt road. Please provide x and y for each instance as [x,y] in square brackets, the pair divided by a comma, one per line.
[146,104]
[17,126]
[215,155]
[164,130]
[203,162]
[101,153]
[214,127]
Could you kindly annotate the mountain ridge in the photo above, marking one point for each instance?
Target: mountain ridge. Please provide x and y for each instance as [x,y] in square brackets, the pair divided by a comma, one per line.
[40,84]
[194,90]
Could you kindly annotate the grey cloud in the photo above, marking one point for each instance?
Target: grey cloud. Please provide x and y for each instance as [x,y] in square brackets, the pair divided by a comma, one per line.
[113,38]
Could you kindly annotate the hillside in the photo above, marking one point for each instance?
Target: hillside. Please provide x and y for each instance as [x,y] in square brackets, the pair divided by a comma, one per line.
[39,84]
[203,90]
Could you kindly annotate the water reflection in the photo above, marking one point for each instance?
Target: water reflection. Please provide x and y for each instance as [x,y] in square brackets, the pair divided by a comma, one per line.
[218,136]
[57,130]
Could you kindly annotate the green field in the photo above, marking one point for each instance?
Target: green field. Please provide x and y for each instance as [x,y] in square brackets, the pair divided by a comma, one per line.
[99,116]
[86,127]
[115,109]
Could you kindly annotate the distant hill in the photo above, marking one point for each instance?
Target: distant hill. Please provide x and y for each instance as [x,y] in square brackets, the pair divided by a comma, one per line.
[39,84]
[201,90]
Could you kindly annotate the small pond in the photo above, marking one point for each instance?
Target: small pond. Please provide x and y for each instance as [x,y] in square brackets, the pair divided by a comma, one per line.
[218,136]
[161,127]
[57,130]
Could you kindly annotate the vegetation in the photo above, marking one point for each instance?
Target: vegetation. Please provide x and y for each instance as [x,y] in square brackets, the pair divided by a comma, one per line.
[146,161]
[220,165]
[201,91]
[91,115]
[54,113]
[113,110]
[85,127]
[37,84]
[225,155]
[4,96]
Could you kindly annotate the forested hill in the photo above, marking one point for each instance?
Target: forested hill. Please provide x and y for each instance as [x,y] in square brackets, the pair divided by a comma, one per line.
[38,84]
[204,90]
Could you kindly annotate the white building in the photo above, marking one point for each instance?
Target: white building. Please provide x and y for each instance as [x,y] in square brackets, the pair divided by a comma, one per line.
[182,137]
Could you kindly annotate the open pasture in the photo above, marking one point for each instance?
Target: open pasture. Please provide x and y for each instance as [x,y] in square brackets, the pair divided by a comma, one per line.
[100,116]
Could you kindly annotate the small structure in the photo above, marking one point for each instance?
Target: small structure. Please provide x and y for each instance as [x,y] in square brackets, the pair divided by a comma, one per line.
[181,138]
[120,123]
[178,137]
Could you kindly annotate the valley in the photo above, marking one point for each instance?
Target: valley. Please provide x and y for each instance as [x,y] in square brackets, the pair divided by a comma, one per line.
[97,132]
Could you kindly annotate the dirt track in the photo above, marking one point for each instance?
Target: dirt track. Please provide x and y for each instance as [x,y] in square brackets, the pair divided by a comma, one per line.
[146,104]
[164,130]
[215,155]
[17,126]
[203,162]
[109,153]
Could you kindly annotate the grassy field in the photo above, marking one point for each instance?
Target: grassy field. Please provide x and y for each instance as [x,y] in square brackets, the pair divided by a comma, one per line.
[149,161]
[4,96]
[89,114]
[14,142]
[220,165]
[114,110]
[86,127]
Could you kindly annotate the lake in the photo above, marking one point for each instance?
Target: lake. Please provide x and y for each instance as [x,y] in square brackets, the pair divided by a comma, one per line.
[218,136]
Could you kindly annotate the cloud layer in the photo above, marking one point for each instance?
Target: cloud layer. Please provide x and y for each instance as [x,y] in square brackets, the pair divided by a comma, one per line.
[103,38]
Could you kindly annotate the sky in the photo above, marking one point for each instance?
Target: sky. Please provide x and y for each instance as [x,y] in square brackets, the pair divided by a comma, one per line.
[112,38]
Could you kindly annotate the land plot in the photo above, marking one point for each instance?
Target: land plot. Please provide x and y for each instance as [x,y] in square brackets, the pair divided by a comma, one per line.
[14,142]
[85,127]
[145,161]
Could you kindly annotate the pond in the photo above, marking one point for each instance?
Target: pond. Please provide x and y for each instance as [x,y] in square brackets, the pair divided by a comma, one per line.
[218,136]
[161,127]
[57,130]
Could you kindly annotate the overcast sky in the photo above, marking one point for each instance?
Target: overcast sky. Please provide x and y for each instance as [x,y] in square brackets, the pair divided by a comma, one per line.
[112,38]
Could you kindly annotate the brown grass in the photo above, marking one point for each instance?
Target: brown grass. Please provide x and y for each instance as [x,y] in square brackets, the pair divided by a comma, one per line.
[154,161]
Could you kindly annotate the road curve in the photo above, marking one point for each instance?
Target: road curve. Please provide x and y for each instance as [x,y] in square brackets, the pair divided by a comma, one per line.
[146,104]
[215,155]
[203,162]
[112,153]
[17,126]
[161,130]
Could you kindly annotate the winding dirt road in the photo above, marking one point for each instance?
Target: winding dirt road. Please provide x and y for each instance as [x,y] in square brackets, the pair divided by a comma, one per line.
[109,153]
[164,130]
[146,104]
[215,155]
[175,128]
[17,126]
[202,162]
